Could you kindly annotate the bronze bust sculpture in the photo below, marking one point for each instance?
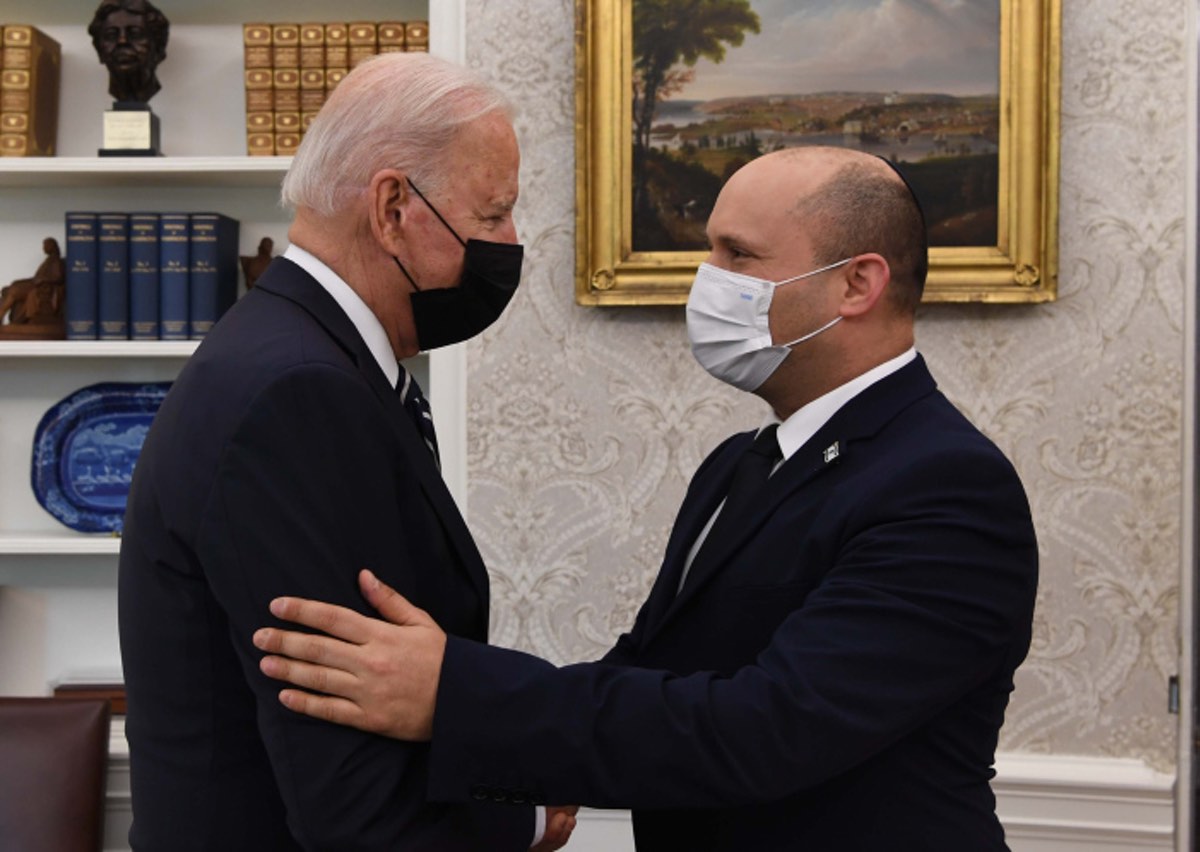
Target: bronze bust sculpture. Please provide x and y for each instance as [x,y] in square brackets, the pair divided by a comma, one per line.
[130,37]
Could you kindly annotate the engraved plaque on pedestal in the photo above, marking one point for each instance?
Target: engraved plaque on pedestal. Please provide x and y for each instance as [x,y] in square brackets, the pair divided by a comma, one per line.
[130,130]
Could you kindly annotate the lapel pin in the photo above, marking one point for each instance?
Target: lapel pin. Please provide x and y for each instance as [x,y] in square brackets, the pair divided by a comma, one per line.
[831,452]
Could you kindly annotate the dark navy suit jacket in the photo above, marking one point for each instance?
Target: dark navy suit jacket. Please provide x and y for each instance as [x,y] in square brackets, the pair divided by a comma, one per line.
[832,677]
[281,462]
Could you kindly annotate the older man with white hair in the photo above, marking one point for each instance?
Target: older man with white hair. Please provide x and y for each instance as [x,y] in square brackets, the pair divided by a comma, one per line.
[294,449]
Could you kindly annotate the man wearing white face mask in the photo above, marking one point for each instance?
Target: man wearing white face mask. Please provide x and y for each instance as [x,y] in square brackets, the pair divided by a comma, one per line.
[826,656]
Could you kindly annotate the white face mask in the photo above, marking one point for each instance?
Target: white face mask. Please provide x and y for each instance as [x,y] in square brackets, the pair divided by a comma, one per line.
[728,327]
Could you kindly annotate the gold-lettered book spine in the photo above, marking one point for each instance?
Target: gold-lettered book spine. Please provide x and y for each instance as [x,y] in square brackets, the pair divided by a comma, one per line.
[312,95]
[416,37]
[30,71]
[391,37]
[256,43]
[260,112]
[312,46]
[333,76]
[363,41]
[287,144]
[312,89]
[286,82]
[285,45]
[337,46]
[258,56]
[260,144]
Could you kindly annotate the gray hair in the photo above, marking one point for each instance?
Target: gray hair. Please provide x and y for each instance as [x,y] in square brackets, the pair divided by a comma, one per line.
[396,110]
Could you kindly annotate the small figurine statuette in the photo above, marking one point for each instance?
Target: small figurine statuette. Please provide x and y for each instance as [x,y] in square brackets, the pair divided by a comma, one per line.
[33,308]
[253,265]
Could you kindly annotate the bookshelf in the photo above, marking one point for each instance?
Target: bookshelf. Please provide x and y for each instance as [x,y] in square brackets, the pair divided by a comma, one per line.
[57,586]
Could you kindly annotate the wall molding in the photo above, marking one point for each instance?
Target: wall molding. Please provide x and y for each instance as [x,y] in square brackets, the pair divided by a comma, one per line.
[1060,802]
[1048,803]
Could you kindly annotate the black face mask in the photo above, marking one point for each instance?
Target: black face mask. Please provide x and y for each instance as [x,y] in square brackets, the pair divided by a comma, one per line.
[446,315]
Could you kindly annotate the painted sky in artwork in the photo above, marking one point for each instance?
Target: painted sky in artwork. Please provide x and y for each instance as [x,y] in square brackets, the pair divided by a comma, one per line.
[943,46]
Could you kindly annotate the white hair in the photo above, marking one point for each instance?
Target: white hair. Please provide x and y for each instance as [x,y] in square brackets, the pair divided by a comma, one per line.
[396,110]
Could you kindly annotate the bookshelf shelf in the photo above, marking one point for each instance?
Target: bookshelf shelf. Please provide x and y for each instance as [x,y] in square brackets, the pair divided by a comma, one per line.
[45,172]
[65,543]
[97,348]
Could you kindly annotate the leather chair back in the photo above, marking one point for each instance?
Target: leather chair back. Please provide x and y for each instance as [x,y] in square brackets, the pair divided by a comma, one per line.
[53,764]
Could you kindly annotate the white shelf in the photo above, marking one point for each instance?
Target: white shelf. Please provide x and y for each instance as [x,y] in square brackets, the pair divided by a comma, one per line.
[97,348]
[65,543]
[143,171]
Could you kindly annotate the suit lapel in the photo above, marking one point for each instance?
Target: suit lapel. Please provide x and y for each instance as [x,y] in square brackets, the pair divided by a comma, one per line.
[703,497]
[287,280]
[833,445]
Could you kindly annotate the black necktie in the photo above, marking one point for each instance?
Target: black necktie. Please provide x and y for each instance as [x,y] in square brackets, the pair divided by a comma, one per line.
[417,407]
[745,488]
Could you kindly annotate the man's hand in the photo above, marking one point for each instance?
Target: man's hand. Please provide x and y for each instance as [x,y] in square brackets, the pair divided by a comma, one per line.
[376,676]
[560,822]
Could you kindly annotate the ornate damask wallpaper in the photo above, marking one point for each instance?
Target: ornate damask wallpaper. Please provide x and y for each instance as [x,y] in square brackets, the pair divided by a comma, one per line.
[585,424]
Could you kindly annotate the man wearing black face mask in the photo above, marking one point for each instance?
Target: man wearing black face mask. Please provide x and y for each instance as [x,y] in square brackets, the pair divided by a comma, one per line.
[293,449]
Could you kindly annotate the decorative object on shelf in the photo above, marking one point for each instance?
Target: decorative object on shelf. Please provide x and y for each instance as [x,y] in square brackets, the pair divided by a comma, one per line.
[83,248]
[148,275]
[290,69]
[30,71]
[212,284]
[130,37]
[85,448]
[254,265]
[32,308]
[112,277]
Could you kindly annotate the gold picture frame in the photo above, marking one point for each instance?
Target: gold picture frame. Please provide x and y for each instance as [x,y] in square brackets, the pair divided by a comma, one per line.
[1020,268]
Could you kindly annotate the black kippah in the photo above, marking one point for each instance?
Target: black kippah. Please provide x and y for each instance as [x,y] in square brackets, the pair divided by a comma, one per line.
[911,191]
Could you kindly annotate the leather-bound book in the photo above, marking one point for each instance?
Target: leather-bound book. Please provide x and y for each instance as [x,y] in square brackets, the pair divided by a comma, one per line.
[363,41]
[285,45]
[312,45]
[391,37]
[29,87]
[337,46]
[256,42]
[416,36]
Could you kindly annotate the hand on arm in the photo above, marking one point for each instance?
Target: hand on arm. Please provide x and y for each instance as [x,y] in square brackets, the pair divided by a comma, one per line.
[377,676]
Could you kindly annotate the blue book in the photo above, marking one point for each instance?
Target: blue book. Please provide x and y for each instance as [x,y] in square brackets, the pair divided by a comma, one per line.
[143,276]
[213,241]
[81,283]
[174,270]
[112,299]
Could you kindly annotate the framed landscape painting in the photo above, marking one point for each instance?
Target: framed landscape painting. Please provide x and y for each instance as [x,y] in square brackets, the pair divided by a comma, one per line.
[673,96]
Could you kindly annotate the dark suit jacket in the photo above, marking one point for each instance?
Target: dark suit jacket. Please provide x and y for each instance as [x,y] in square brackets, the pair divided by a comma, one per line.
[281,462]
[833,677]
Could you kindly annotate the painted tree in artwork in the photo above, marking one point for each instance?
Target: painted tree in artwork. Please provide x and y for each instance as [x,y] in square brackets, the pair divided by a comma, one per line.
[666,34]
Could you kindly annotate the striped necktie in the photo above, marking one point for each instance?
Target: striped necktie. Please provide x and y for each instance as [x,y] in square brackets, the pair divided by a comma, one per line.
[417,407]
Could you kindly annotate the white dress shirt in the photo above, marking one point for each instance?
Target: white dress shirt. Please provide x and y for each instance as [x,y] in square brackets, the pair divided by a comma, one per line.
[369,328]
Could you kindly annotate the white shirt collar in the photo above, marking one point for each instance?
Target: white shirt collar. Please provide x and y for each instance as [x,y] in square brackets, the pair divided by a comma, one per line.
[805,422]
[365,322]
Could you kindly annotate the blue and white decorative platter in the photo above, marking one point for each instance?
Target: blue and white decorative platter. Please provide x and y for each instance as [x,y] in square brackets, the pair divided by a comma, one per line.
[85,448]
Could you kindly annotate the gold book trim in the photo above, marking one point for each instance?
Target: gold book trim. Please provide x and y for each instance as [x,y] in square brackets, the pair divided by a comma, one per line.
[256,34]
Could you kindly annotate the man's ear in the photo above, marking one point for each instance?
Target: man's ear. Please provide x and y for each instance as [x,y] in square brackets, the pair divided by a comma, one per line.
[388,198]
[866,278]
